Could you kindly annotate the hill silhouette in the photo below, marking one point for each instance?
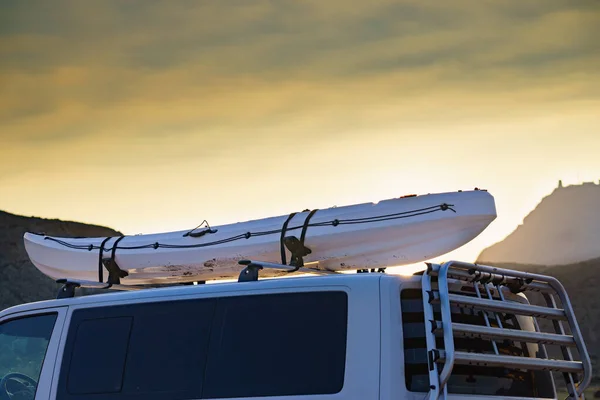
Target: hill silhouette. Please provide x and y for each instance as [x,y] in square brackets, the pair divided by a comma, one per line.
[20,281]
[561,238]
[563,229]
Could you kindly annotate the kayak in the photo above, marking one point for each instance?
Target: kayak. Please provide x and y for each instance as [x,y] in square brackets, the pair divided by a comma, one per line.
[389,233]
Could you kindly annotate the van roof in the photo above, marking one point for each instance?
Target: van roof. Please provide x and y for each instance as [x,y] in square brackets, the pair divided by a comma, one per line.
[216,288]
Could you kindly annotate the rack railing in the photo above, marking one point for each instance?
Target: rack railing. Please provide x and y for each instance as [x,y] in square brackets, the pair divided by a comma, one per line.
[486,280]
[249,273]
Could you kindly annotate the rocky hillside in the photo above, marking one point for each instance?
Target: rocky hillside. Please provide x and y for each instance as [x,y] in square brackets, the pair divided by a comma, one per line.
[20,281]
[561,238]
[563,229]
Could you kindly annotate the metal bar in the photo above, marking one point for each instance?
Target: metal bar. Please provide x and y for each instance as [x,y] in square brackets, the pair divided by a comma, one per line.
[446,324]
[283,267]
[434,386]
[508,307]
[543,350]
[489,294]
[485,316]
[566,352]
[501,271]
[581,347]
[493,360]
[485,332]
[463,274]
[98,285]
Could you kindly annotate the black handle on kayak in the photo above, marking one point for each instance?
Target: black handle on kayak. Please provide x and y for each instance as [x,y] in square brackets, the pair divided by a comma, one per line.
[201,233]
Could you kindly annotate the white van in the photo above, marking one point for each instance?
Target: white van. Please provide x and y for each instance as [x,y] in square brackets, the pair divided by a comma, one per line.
[446,333]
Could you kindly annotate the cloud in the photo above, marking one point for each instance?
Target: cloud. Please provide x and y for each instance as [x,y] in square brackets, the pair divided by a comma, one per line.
[236,73]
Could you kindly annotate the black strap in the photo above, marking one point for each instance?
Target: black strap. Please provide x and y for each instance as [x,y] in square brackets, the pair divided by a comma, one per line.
[100,265]
[297,246]
[305,227]
[114,247]
[114,272]
[281,243]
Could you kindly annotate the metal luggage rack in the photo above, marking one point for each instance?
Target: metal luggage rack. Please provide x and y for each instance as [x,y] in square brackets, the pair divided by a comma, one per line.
[486,281]
[249,273]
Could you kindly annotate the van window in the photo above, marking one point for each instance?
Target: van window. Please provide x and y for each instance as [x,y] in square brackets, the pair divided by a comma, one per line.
[240,346]
[465,379]
[23,345]
[145,350]
[267,345]
[99,362]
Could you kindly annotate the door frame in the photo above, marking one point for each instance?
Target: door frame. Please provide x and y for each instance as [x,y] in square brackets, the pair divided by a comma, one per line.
[47,371]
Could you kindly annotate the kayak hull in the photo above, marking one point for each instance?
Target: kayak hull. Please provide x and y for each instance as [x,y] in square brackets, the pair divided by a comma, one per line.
[389,233]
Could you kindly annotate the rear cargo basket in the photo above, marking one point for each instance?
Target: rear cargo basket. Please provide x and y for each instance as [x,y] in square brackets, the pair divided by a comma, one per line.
[485,293]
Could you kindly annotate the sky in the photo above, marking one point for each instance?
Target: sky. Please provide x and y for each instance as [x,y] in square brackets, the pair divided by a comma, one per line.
[150,116]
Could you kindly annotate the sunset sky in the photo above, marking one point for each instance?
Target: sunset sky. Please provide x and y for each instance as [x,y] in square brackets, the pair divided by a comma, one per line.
[150,116]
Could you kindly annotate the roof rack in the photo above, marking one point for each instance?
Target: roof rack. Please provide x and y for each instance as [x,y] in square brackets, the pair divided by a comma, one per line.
[69,286]
[249,274]
[485,279]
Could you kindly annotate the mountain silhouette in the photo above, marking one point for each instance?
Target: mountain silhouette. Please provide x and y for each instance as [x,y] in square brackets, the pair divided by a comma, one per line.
[564,228]
[20,280]
[561,238]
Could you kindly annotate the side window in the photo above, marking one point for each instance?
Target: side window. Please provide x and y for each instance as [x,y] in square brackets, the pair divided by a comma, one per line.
[466,379]
[267,345]
[241,346]
[98,361]
[23,345]
[149,351]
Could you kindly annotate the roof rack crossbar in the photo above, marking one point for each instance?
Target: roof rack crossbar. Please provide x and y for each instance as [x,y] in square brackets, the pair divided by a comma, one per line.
[250,273]
[496,282]
[69,286]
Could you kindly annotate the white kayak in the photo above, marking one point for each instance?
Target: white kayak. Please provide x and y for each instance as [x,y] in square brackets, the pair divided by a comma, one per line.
[389,233]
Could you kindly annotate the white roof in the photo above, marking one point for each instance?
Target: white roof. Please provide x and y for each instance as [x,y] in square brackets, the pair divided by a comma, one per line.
[228,288]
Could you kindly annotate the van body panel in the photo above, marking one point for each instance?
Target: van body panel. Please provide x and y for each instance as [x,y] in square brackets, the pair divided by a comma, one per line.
[375,351]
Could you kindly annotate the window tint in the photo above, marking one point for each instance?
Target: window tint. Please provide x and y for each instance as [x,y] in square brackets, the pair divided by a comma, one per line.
[260,345]
[167,351]
[466,379]
[149,351]
[268,345]
[23,346]
[98,362]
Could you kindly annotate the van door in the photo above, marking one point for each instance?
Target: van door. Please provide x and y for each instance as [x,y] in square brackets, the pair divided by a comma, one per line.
[28,348]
